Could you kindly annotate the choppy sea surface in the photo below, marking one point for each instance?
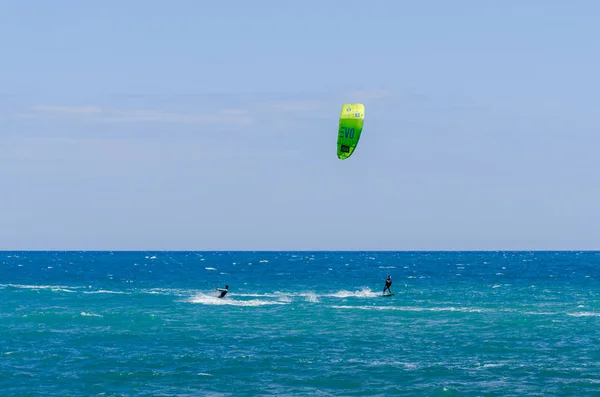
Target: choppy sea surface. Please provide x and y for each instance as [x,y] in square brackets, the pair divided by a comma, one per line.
[299,324]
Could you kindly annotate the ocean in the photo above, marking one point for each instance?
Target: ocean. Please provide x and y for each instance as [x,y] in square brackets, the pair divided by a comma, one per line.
[299,324]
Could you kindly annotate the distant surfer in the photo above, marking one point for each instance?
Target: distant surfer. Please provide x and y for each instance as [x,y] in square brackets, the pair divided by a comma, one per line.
[388,284]
[223,291]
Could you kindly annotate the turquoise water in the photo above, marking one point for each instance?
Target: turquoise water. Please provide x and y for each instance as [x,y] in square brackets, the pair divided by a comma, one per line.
[299,324]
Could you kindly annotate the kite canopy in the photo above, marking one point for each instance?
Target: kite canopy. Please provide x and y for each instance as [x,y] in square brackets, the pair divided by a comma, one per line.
[351,125]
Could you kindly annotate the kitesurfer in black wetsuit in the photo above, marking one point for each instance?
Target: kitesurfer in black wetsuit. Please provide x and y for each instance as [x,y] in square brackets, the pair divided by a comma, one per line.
[223,291]
[388,284]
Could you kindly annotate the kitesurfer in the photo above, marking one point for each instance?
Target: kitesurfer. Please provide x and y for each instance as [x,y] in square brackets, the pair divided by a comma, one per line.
[223,291]
[388,284]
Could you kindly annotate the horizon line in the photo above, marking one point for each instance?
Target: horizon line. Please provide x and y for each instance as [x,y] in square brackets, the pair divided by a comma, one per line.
[301,250]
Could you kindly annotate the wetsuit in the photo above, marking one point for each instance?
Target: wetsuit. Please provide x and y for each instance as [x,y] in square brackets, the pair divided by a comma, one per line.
[388,284]
[223,291]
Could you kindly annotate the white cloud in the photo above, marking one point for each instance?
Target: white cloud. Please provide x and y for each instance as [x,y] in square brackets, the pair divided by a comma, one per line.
[68,109]
[331,102]
[225,116]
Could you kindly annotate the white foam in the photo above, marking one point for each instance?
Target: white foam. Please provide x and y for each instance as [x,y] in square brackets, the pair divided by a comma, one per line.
[90,314]
[492,365]
[283,297]
[537,313]
[52,287]
[275,295]
[209,268]
[165,291]
[102,291]
[213,300]
[584,314]
[363,293]
[311,297]
[411,309]
[377,363]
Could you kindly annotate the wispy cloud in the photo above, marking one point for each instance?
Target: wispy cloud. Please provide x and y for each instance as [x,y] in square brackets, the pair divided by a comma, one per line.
[330,102]
[85,110]
[249,113]
[223,116]
[291,105]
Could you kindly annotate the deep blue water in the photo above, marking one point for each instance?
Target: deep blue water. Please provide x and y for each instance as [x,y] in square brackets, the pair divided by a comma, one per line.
[299,324]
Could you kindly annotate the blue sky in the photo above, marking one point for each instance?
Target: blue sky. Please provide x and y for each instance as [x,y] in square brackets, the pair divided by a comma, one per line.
[212,125]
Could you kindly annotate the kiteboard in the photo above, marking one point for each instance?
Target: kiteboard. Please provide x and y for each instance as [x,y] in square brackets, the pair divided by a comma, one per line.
[388,294]
[352,119]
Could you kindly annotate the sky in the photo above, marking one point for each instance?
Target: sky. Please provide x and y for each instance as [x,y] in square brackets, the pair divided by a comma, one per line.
[212,125]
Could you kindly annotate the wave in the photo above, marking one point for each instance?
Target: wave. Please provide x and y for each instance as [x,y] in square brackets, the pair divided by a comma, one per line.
[85,314]
[412,309]
[307,296]
[365,292]
[103,291]
[584,314]
[54,288]
[205,299]
[313,297]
